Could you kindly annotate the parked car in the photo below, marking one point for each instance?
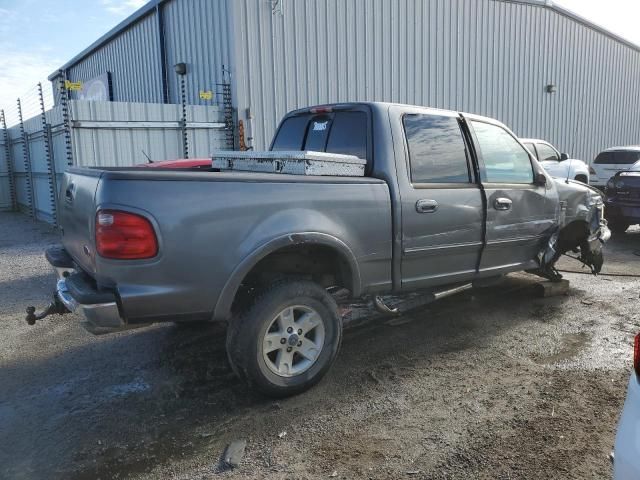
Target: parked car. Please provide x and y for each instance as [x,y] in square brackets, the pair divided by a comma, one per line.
[626,464]
[611,161]
[447,199]
[558,164]
[623,199]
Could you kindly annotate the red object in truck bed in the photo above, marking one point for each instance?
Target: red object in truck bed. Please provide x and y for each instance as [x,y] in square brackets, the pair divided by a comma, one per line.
[182,163]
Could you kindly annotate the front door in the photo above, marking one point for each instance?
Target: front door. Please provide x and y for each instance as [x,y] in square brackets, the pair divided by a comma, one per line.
[519,212]
[442,214]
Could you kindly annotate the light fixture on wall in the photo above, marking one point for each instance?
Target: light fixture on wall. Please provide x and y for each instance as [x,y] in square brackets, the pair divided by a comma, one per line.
[551,88]
[180,68]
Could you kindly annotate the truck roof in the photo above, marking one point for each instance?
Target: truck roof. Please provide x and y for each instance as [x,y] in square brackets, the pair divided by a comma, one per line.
[387,105]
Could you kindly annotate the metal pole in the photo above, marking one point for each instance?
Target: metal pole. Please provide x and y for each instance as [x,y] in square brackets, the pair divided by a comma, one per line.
[27,163]
[66,114]
[183,99]
[50,162]
[7,153]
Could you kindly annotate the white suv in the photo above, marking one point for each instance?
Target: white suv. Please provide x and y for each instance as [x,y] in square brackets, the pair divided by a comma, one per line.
[612,161]
[556,163]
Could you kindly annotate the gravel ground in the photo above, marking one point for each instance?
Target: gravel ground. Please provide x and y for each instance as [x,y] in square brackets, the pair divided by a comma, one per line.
[492,383]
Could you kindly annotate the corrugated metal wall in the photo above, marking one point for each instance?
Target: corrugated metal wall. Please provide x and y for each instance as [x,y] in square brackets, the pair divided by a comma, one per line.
[488,57]
[196,33]
[134,60]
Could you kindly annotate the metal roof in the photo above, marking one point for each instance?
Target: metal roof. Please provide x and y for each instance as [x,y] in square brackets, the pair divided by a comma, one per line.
[153,4]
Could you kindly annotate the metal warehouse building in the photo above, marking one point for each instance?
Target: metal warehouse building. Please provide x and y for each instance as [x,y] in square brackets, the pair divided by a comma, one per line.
[533,65]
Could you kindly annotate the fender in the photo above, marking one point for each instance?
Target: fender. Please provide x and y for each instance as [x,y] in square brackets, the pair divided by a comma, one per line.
[222,309]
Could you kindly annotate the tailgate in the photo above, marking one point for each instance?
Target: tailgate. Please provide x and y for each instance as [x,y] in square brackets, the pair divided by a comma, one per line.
[77,215]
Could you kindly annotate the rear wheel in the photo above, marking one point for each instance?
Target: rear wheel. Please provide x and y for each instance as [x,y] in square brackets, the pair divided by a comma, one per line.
[618,226]
[287,339]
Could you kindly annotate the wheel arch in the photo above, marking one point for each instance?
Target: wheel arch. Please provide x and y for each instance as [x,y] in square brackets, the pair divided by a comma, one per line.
[223,308]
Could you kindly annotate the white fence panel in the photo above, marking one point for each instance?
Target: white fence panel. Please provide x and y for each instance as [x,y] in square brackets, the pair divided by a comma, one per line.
[100,134]
[127,134]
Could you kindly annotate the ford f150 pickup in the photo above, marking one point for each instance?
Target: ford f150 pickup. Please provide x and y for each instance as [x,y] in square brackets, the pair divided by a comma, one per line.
[447,199]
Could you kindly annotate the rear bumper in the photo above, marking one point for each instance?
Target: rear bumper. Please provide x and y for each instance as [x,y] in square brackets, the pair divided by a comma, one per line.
[79,294]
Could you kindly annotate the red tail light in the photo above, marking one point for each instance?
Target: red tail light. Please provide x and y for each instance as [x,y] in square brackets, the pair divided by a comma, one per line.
[636,354]
[124,236]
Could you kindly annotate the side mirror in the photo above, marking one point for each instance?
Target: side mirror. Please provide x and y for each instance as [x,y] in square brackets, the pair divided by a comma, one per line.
[540,180]
[563,157]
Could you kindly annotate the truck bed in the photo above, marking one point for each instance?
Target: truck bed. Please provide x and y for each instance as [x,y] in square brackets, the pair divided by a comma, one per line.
[208,223]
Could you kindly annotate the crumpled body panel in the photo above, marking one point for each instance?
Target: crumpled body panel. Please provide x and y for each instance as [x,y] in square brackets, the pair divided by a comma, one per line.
[581,228]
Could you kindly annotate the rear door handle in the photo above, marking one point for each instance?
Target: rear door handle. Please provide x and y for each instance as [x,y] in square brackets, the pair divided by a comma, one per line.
[502,203]
[426,206]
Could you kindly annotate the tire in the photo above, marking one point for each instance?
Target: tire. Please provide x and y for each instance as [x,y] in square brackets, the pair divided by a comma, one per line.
[254,339]
[617,226]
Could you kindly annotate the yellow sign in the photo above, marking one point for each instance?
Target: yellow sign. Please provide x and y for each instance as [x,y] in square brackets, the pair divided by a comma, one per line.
[206,94]
[72,85]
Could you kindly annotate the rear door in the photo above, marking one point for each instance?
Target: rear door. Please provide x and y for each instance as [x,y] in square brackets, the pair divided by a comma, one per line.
[442,208]
[519,214]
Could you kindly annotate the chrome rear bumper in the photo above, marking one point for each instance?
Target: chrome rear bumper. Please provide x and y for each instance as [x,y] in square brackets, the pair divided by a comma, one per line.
[99,317]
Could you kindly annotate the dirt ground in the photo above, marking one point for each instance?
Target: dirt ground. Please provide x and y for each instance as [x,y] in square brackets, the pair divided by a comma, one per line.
[490,384]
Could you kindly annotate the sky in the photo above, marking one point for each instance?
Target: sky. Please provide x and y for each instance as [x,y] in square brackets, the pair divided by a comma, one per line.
[39,36]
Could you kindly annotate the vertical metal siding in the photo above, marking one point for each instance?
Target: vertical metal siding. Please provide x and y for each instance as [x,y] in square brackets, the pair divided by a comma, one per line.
[489,57]
[196,33]
[133,58]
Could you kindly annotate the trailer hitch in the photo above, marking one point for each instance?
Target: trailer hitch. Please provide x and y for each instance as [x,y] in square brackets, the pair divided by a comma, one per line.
[56,306]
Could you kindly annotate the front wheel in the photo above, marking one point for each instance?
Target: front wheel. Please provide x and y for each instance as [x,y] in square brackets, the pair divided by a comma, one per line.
[287,339]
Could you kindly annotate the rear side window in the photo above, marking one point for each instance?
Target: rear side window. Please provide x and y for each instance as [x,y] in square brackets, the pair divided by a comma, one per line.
[505,161]
[619,158]
[437,151]
[340,132]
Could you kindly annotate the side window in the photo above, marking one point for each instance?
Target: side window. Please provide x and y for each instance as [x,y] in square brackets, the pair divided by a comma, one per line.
[547,153]
[436,149]
[532,149]
[505,161]
[348,134]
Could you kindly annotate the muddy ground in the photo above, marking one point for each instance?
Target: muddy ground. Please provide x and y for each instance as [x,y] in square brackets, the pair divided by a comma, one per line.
[493,383]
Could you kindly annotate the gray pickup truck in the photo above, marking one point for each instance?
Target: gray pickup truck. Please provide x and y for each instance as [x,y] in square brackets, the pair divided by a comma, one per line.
[447,200]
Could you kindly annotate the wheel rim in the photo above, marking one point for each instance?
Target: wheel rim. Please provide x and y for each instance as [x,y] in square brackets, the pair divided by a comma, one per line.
[293,341]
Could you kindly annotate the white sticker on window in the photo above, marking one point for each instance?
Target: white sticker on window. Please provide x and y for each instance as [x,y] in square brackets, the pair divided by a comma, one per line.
[320,126]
